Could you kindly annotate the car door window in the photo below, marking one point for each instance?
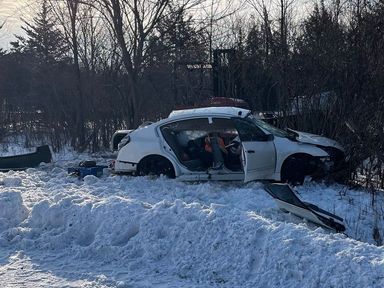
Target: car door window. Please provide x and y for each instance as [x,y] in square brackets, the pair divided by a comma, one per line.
[194,142]
[247,130]
[227,132]
[179,133]
[186,139]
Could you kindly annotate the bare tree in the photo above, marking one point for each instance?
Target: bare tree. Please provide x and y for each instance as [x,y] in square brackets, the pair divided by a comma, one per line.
[213,18]
[67,13]
[277,27]
[92,38]
[132,21]
[263,12]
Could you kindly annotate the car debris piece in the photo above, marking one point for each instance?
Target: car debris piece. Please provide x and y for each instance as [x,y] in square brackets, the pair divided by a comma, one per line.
[24,161]
[87,168]
[288,201]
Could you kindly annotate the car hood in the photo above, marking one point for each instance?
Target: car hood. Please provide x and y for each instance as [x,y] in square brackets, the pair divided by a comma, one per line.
[314,139]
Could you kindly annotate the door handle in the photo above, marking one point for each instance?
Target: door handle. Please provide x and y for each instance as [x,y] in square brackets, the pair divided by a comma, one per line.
[251,151]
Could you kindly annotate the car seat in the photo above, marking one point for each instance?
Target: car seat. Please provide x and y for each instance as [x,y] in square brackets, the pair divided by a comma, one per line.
[171,139]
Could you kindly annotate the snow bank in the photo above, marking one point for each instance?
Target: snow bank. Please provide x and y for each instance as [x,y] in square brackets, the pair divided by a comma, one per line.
[12,210]
[206,245]
[12,182]
[121,231]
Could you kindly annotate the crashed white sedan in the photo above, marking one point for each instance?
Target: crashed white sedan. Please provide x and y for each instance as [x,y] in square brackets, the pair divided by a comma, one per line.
[223,143]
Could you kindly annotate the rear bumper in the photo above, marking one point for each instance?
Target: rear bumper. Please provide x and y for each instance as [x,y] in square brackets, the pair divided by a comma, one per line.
[124,167]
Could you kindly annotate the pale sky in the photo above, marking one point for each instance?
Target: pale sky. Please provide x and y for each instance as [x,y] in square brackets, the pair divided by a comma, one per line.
[11,11]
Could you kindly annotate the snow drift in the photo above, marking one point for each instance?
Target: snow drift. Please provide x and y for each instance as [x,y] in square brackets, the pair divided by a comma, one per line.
[120,231]
[12,210]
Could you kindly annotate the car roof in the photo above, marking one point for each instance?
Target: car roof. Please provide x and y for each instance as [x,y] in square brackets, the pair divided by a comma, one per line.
[210,111]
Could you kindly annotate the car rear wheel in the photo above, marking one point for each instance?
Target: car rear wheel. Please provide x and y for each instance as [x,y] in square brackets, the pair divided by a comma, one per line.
[155,165]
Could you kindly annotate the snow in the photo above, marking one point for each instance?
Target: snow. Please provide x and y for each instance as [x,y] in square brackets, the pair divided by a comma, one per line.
[123,231]
[7,149]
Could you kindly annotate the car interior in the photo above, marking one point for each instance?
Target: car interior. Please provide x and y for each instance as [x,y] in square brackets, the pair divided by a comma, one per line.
[188,138]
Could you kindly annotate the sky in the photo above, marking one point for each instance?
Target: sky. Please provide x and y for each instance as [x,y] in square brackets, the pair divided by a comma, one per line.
[10,12]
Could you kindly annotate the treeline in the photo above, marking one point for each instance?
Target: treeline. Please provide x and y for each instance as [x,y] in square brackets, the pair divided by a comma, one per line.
[86,68]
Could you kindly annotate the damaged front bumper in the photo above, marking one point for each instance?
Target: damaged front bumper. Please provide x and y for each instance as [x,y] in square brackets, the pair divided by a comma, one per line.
[332,166]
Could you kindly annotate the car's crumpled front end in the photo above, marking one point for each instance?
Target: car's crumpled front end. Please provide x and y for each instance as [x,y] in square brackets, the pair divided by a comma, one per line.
[328,166]
[336,162]
[314,139]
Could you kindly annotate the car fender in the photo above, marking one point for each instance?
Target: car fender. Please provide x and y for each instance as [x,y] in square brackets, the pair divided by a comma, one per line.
[286,148]
[142,144]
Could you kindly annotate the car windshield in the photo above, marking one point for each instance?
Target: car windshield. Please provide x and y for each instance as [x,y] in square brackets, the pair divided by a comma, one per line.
[270,128]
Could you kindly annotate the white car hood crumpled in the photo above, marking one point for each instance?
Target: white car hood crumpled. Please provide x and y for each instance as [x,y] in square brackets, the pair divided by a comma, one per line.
[314,139]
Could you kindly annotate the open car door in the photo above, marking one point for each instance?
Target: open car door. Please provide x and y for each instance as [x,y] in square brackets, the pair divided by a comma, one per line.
[259,158]
[258,154]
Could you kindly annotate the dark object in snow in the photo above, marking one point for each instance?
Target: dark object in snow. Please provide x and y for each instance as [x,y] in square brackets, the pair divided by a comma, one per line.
[24,161]
[87,163]
[289,202]
[87,168]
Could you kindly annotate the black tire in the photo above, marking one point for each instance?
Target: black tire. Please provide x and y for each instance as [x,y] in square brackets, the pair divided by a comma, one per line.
[155,165]
[293,171]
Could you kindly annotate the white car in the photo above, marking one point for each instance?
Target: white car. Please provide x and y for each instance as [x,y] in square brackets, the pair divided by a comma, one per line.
[223,143]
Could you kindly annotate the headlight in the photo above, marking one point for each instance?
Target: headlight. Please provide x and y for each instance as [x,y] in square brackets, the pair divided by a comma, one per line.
[325,159]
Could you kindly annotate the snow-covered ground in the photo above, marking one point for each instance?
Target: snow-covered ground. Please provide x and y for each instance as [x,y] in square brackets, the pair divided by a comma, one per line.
[122,231]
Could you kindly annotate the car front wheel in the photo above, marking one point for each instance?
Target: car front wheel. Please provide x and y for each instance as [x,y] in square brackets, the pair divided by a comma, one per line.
[296,167]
